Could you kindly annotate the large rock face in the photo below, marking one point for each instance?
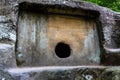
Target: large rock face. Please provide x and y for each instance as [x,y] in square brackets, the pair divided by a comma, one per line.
[108,18]
[108,28]
[108,35]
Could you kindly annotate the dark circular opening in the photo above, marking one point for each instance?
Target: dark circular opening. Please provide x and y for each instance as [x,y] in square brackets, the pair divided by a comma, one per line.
[62,50]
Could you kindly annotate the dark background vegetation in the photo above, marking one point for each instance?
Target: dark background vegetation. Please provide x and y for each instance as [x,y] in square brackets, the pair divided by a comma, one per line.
[112,4]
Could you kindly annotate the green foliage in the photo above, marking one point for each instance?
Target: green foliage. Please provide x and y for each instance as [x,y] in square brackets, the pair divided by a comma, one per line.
[113,4]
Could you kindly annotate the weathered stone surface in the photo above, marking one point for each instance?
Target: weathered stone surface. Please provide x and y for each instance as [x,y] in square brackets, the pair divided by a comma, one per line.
[39,34]
[8,21]
[66,73]
[111,73]
[7,30]
[4,75]
[7,55]
[109,20]
[106,15]
[108,29]
[108,32]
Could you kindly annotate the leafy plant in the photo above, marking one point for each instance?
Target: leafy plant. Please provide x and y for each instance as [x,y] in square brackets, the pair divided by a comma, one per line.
[113,4]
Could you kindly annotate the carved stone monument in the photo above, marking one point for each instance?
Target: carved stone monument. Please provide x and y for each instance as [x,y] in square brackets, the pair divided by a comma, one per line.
[58,40]
[50,36]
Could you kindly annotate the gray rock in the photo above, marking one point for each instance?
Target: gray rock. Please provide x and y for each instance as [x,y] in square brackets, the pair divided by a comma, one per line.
[4,75]
[66,73]
[107,17]
[7,31]
[109,32]
[7,55]
[57,73]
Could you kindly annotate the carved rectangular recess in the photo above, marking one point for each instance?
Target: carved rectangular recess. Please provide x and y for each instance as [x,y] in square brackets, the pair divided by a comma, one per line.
[55,39]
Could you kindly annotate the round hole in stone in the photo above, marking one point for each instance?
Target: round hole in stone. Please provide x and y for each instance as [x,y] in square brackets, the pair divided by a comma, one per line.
[62,50]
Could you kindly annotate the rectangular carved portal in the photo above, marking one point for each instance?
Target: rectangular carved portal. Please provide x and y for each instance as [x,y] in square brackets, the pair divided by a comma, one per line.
[56,40]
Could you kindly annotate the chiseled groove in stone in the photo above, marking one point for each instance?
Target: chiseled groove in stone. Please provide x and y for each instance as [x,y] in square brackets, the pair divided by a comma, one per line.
[50,68]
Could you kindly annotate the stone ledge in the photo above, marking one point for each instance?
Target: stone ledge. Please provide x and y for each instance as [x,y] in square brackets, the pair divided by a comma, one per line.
[66,73]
